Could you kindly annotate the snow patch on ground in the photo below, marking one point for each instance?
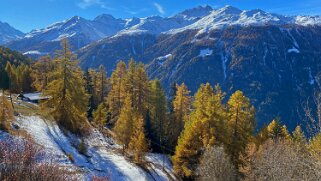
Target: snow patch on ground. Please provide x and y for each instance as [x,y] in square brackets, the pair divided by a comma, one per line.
[32,52]
[293,50]
[205,52]
[311,79]
[165,57]
[101,158]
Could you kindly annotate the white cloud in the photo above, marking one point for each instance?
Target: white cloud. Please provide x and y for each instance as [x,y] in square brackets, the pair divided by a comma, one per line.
[84,4]
[159,8]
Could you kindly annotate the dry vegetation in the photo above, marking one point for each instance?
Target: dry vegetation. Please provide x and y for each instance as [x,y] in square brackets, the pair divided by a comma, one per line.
[23,160]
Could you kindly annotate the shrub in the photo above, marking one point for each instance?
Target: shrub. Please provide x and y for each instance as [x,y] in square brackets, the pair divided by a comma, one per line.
[22,160]
[70,157]
[215,165]
[283,160]
[82,148]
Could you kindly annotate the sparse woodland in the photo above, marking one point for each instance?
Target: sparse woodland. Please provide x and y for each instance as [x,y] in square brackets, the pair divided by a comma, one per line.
[209,135]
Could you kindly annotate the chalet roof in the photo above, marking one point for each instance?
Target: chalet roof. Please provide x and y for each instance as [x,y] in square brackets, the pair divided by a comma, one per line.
[33,96]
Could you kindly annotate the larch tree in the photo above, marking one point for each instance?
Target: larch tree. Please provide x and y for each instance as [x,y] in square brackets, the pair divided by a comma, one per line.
[101,115]
[200,130]
[298,136]
[138,143]
[100,85]
[68,99]
[137,86]
[181,108]
[117,94]
[181,105]
[124,125]
[314,147]
[241,119]
[278,131]
[40,72]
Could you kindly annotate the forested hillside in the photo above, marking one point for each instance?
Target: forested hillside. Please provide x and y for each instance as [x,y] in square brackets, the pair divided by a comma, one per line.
[207,135]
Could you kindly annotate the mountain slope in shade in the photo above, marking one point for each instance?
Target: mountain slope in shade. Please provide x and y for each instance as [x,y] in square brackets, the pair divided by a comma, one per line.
[8,33]
[275,65]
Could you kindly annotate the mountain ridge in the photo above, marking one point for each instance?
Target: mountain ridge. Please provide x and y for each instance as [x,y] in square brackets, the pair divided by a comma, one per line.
[83,32]
[8,33]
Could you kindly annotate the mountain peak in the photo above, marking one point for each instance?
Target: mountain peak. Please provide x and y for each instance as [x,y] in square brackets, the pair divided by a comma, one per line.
[8,33]
[104,17]
[199,11]
[228,9]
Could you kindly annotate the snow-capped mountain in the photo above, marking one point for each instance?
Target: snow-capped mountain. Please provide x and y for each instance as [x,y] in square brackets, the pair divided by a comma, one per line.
[102,26]
[231,16]
[268,56]
[8,33]
[157,24]
[81,32]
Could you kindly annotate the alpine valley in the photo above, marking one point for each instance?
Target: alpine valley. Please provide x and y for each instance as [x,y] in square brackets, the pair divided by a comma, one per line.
[274,59]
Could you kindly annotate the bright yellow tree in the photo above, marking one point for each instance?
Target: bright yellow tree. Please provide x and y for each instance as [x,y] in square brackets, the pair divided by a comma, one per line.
[68,101]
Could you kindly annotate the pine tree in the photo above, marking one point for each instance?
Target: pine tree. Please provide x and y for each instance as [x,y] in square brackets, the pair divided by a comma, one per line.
[172,95]
[24,77]
[157,113]
[242,121]
[117,94]
[102,84]
[138,142]
[100,115]
[89,87]
[13,79]
[69,101]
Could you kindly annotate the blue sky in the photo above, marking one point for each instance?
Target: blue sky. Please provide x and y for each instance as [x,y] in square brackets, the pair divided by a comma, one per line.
[26,15]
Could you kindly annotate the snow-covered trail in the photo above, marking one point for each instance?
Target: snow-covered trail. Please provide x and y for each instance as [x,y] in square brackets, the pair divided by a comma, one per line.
[100,159]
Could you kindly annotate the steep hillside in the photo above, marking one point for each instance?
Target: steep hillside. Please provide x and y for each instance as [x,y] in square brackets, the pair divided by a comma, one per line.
[14,57]
[8,33]
[275,65]
[102,158]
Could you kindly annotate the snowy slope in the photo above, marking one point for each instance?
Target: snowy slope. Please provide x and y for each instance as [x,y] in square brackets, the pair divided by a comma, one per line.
[229,16]
[8,33]
[157,24]
[101,159]
[102,26]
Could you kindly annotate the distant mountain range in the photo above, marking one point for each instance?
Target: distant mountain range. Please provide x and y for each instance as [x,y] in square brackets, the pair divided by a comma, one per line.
[82,32]
[8,33]
[274,59]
